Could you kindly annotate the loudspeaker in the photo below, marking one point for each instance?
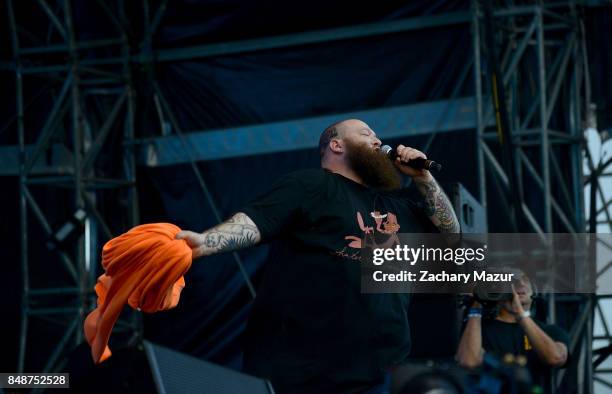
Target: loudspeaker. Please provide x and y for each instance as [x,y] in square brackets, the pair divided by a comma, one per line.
[179,373]
[470,213]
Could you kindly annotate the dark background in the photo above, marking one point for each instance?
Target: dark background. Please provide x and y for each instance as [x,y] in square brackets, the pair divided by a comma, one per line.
[248,89]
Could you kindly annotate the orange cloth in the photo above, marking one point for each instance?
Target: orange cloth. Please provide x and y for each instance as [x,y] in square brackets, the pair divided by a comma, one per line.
[144,267]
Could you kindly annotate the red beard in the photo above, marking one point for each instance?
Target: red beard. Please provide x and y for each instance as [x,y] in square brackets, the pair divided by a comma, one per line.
[372,166]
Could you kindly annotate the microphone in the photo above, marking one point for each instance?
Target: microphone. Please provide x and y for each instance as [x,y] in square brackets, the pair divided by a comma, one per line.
[419,164]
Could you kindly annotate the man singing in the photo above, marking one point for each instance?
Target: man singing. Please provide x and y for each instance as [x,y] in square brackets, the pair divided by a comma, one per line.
[311,330]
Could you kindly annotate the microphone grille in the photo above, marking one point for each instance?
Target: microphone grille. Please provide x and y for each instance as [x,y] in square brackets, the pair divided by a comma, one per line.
[386,149]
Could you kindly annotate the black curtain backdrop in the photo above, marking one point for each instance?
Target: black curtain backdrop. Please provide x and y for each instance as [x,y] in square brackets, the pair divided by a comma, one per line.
[237,90]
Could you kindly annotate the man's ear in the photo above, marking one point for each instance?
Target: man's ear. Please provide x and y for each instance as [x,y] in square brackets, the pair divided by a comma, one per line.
[336,145]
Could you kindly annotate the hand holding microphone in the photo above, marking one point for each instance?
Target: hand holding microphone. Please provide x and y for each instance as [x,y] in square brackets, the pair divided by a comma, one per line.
[410,157]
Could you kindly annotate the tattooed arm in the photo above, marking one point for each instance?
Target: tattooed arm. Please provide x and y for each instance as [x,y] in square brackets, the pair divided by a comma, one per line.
[437,206]
[238,232]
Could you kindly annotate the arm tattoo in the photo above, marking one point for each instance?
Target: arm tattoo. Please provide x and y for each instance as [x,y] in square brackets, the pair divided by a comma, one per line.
[438,207]
[238,232]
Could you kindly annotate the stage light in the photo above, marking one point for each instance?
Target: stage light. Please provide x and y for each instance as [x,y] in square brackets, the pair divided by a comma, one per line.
[68,231]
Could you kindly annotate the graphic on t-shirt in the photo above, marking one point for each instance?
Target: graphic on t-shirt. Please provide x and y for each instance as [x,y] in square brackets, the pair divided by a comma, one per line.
[382,235]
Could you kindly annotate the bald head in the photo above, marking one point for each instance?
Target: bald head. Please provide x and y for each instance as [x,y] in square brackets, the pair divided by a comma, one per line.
[353,129]
[352,149]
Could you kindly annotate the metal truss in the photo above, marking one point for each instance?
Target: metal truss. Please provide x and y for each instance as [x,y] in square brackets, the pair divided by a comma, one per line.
[542,72]
[599,213]
[536,90]
[85,89]
[110,75]
[454,114]
[402,121]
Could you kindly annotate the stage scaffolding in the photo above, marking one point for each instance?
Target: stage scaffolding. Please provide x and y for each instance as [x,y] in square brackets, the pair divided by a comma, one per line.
[599,205]
[541,128]
[545,45]
[83,84]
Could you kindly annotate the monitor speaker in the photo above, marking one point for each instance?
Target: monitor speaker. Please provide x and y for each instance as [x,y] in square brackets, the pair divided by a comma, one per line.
[179,373]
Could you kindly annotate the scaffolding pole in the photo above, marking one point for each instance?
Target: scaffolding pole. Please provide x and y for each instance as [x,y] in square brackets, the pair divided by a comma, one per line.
[539,41]
[68,303]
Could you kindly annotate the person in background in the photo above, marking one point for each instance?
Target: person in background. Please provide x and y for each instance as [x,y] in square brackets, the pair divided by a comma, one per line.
[514,331]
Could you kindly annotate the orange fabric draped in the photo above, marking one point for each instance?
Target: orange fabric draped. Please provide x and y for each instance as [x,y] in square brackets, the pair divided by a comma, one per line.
[144,267]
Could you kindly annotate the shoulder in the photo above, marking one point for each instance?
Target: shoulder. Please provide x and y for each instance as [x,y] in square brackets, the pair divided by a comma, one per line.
[309,179]
[308,173]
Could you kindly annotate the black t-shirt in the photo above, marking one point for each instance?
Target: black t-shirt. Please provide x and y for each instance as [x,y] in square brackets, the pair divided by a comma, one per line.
[311,329]
[501,338]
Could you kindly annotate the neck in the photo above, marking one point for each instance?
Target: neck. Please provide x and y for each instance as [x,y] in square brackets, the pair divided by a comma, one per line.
[344,171]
